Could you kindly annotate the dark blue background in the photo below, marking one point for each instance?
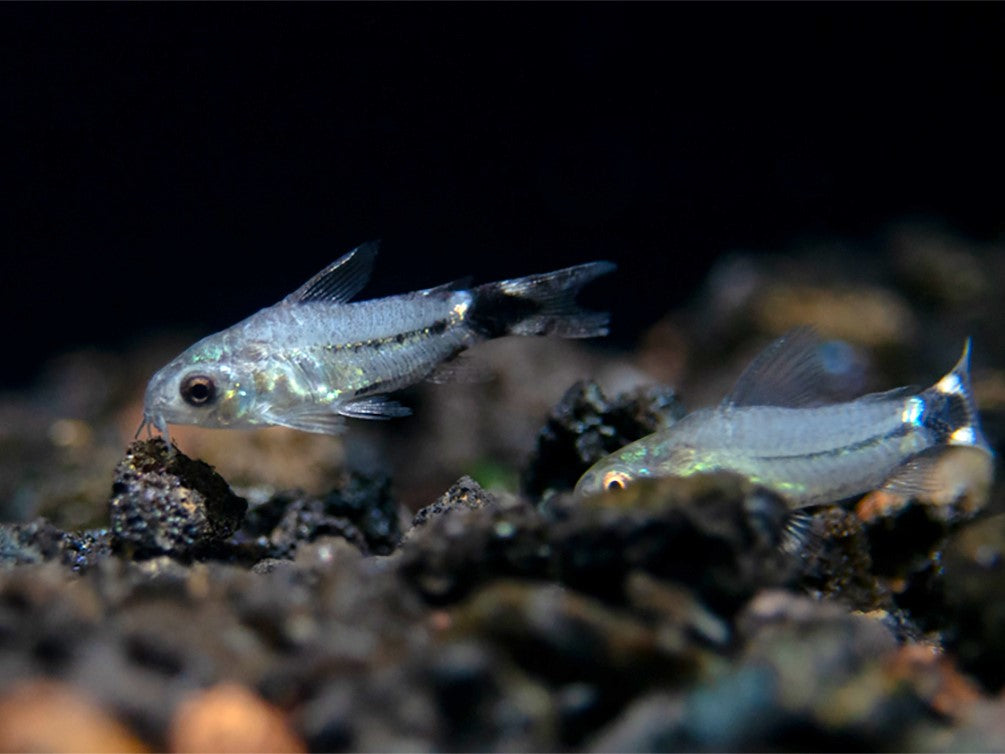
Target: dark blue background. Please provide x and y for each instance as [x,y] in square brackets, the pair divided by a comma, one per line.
[183,165]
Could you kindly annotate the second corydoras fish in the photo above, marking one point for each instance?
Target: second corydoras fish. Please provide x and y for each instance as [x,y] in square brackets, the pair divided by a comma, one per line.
[313,357]
[777,429]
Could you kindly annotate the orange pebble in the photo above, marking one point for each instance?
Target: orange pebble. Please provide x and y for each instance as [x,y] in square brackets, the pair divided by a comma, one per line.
[935,679]
[230,718]
[879,503]
[42,715]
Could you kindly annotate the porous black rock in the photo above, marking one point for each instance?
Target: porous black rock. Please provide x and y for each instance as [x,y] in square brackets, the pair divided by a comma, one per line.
[304,519]
[165,503]
[464,493]
[585,426]
[835,560]
[360,510]
[718,534]
[973,571]
[809,676]
[465,539]
[366,500]
[39,541]
[33,542]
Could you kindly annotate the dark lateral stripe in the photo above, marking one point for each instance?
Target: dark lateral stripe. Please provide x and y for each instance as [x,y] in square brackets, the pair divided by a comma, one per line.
[901,431]
[436,328]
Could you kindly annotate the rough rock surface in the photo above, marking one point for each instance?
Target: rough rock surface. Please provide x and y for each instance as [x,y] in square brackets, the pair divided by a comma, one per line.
[585,426]
[163,502]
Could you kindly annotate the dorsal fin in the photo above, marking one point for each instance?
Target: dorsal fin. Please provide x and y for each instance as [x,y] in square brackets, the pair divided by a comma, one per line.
[788,372]
[339,281]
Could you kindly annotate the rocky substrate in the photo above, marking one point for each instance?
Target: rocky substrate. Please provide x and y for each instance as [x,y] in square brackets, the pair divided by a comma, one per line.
[170,605]
[672,615]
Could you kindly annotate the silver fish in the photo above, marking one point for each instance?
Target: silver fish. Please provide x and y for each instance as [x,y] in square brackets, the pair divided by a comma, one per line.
[314,358]
[776,428]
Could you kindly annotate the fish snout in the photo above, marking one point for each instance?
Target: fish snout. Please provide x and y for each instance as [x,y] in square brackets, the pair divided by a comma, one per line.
[587,484]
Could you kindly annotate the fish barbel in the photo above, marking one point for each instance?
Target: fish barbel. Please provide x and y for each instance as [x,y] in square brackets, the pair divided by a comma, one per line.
[777,429]
[314,358]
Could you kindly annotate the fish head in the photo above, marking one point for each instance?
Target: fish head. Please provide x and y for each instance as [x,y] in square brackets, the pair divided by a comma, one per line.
[203,387]
[616,471]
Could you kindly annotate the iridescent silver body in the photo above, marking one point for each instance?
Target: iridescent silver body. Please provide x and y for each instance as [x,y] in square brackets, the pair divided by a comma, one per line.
[774,429]
[314,357]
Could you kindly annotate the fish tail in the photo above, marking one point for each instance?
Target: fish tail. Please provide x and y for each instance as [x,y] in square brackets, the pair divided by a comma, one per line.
[539,305]
[948,408]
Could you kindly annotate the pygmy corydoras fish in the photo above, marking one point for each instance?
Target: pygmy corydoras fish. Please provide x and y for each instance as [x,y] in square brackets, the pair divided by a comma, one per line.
[777,429]
[314,357]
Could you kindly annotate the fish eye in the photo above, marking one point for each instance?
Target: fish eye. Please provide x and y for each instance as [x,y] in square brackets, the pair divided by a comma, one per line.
[198,390]
[615,480]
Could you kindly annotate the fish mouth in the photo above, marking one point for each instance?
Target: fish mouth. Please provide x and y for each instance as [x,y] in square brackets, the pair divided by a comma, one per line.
[153,420]
[156,408]
[145,422]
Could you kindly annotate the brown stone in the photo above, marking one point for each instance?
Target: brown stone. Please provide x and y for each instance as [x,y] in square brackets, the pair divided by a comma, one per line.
[230,718]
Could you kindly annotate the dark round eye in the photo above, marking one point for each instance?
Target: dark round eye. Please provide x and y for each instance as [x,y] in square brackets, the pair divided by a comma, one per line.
[198,390]
[615,480]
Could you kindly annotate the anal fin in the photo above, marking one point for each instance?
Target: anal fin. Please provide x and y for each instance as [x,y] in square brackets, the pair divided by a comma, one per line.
[944,476]
[461,368]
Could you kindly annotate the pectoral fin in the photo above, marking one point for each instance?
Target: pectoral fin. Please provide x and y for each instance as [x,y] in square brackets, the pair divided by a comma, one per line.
[332,421]
[322,423]
[798,535]
[374,407]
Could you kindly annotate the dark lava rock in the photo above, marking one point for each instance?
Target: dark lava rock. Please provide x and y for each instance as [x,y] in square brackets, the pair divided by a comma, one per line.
[39,541]
[367,502]
[166,503]
[830,677]
[719,535]
[464,493]
[459,547]
[974,584]
[304,519]
[598,656]
[34,542]
[836,561]
[361,511]
[585,426]
[810,677]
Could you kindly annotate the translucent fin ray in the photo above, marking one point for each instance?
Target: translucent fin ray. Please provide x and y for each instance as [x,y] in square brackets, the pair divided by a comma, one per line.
[943,474]
[462,368]
[789,372]
[339,281]
[374,407]
[541,304]
[318,422]
[799,538]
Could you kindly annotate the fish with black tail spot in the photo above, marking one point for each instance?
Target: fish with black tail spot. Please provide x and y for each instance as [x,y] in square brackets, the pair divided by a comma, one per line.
[778,430]
[314,357]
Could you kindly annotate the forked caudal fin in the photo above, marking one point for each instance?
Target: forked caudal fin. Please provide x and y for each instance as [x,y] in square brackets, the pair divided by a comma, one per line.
[949,410]
[539,305]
